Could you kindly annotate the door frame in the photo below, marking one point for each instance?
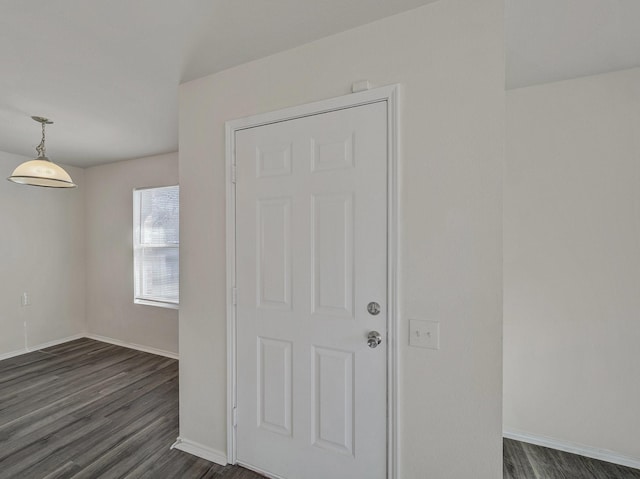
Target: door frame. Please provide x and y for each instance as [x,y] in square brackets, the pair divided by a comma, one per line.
[390,95]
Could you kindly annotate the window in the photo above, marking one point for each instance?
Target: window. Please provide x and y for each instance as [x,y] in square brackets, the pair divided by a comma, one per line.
[156,241]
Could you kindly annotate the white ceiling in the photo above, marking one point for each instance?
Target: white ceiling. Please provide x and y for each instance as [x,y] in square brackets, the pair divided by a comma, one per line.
[550,40]
[107,72]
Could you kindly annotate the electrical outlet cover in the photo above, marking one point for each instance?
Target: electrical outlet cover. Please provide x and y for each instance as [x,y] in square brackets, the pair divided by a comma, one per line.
[424,334]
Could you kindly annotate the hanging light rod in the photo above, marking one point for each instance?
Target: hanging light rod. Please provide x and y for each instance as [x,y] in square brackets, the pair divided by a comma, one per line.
[42,171]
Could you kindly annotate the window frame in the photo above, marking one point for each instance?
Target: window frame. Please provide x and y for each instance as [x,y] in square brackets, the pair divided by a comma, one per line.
[138,246]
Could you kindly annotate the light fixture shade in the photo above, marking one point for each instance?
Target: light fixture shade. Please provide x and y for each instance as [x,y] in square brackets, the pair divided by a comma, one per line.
[42,172]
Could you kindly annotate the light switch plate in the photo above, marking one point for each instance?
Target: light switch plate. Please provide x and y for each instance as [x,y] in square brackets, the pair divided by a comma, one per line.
[424,334]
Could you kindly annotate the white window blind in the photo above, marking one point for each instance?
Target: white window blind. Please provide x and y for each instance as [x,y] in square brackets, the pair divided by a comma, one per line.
[156,241]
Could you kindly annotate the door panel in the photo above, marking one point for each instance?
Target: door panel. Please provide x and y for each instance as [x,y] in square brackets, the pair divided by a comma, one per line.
[311,246]
[333,400]
[332,253]
[274,385]
[274,253]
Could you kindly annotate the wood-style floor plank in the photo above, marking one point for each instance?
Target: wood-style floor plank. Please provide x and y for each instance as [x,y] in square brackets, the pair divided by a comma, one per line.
[515,462]
[87,410]
[527,461]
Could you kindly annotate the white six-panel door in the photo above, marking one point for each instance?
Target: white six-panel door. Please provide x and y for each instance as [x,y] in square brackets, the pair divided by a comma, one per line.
[311,254]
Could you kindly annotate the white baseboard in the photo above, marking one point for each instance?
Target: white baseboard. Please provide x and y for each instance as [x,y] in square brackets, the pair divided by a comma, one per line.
[37,347]
[97,337]
[259,471]
[574,448]
[200,450]
[138,347]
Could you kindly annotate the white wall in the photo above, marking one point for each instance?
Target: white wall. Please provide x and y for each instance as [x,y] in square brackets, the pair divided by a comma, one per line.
[42,254]
[111,312]
[448,56]
[572,262]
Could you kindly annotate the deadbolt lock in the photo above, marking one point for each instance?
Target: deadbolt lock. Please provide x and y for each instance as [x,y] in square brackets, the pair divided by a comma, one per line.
[373,308]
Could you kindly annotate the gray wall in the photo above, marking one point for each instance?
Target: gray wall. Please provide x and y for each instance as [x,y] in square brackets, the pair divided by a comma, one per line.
[572,263]
[43,255]
[72,252]
[449,58]
[111,312]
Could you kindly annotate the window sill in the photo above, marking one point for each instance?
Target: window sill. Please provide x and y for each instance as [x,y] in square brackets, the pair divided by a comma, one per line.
[158,304]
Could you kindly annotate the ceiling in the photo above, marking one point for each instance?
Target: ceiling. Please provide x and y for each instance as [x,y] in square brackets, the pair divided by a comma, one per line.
[106,72]
[551,40]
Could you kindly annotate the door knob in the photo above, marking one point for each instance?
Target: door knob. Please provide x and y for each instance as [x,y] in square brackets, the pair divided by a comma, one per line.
[373,339]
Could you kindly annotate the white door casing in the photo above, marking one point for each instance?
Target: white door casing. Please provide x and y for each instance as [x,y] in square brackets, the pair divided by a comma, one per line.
[313,222]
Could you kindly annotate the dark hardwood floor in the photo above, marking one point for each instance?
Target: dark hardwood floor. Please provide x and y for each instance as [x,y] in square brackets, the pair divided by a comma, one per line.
[526,461]
[87,410]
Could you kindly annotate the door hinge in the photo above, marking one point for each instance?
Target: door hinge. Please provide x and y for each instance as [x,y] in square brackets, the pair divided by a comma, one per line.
[234,296]
[235,417]
[234,174]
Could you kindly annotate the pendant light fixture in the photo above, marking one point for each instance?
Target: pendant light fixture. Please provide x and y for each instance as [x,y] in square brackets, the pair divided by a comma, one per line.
[42,171]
